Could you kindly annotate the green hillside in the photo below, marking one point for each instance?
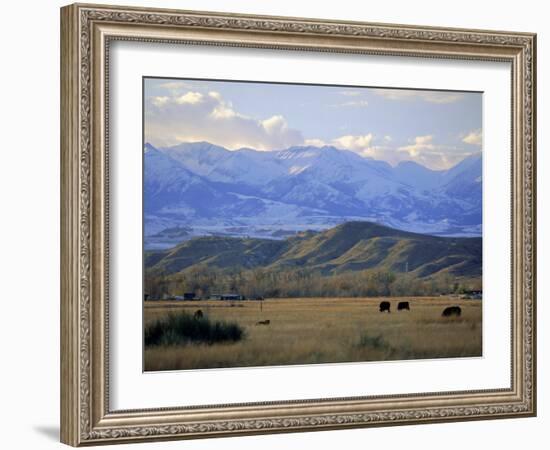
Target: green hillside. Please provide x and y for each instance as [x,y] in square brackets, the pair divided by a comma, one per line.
[350,247]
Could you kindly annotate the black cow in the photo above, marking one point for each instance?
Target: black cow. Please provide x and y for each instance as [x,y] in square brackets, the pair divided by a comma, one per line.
[198,314]
[451,311]
[385,306]
[403,305]
[263,322]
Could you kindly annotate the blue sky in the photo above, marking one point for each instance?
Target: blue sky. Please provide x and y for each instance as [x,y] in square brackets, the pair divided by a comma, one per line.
[434,128]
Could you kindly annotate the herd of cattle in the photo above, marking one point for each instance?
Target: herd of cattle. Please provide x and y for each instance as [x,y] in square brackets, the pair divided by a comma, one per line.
[385,306]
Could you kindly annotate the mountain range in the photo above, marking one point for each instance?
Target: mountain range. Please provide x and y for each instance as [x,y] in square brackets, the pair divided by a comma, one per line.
[200,189]
[349,247]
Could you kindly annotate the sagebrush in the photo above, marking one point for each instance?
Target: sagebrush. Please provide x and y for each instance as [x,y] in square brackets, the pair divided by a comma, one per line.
[183,328]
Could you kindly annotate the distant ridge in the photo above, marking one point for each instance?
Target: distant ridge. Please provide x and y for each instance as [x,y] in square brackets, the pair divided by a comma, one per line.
[349,247]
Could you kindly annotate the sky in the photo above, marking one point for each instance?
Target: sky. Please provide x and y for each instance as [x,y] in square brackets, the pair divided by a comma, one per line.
[437,129]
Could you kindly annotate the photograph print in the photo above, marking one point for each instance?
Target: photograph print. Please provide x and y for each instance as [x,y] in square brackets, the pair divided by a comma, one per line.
[289,224]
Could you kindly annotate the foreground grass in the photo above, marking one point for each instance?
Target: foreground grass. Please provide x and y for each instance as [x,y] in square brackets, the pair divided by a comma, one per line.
[309,331]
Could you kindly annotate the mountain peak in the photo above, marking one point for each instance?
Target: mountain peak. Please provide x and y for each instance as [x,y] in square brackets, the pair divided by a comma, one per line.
[410,164]
[149,148]
[196,146]
[306,186]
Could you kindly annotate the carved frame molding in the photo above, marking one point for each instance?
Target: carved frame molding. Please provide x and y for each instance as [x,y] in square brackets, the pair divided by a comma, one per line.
[86,32]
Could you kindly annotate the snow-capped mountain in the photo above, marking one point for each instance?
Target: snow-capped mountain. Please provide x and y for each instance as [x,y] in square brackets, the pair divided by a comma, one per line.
[205,189]
[168,184]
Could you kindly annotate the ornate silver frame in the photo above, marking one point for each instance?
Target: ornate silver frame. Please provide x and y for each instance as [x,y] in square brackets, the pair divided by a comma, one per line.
[86,31]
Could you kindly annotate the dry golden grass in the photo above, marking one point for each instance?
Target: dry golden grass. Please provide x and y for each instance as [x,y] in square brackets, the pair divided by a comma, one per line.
[319,330]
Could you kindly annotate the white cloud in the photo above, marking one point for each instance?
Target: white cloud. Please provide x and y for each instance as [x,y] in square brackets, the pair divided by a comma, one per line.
[315,142]
[274,124]
[354,99]
[439,97]
[222,112]
[190,97]
[363,145]
[423,140]
[178,87]
[351,93]
[215,95]
[187,116]
[473,138]
[354,143]
[436,156]
[421,144]
[352,103]
[367,147]
[175,85]
[160,101]
[195,116]
[421,149]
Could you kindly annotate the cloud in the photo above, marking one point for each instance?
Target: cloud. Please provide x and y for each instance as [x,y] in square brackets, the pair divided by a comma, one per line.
[315,142]
[369,146]
[215,95]
[354,99]
[439,97]
[175,85]
[424,140]
[350,93]
[160,101]
[190,97]
[421,149]
[352,103]
[365,145]
[473,138]
[436,156]
[275,124]
[357,144]
[360,144]
[354,143]
[196,116]
[421,144]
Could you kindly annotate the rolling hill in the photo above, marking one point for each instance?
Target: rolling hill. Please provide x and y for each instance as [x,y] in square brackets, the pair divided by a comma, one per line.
[349,247]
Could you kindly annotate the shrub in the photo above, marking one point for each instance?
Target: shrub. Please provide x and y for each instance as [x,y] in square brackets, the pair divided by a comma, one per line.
[182,328]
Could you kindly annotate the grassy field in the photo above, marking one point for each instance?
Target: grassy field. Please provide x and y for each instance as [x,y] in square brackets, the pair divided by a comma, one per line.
[320,330]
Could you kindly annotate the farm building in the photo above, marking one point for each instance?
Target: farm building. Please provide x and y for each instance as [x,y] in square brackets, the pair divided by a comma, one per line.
[185,296]
[231,297]
[473,294]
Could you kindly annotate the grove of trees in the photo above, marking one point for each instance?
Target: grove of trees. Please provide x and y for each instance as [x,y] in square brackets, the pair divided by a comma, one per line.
[205,281]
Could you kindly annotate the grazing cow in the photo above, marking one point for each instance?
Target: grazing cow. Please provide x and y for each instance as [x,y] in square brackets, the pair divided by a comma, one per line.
[403,305]
[263,322]
[451,311]
[385,306]
[198,314]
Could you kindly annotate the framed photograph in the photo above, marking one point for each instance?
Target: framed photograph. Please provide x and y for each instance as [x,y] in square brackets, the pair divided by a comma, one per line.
[279,224]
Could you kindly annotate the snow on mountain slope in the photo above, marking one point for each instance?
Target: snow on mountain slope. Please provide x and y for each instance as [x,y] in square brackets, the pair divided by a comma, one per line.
[203,185]
[464,181]
[417,176]
[219,164]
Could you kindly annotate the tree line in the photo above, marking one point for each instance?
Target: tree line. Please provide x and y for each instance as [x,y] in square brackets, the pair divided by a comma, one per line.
[288,283]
